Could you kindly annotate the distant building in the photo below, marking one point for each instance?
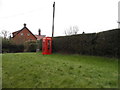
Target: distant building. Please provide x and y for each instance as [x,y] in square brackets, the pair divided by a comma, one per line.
[39,36]
[23,35]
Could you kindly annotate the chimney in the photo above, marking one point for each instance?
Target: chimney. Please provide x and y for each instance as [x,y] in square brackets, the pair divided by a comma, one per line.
[39,32]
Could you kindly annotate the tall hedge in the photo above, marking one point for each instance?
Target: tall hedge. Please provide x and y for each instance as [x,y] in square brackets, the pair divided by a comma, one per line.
[9,47]
[105,43]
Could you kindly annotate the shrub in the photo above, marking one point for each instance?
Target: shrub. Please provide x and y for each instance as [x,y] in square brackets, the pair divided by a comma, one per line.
[39,45]
[6,45]
[30,46]
[9,47]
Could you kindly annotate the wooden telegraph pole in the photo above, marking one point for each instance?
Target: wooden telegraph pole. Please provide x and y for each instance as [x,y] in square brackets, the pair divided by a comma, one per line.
[53,20]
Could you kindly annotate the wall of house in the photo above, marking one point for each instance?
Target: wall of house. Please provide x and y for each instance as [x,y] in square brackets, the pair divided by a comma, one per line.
[19,39]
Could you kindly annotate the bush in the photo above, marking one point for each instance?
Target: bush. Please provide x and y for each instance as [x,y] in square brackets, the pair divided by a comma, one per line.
[9,47]
[17,48]
[30,46]
[39,45]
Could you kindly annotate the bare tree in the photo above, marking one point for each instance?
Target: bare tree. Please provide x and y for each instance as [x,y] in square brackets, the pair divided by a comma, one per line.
[5,33]
[75,29]
[72,30]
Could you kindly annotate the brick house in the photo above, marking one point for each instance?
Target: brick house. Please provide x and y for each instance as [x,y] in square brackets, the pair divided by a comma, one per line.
[20,36]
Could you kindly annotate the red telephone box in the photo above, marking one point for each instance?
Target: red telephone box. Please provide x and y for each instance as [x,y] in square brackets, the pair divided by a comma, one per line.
[47,46]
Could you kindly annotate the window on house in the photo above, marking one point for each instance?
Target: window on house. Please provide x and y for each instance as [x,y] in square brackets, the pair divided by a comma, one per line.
[21,34]
[28,34]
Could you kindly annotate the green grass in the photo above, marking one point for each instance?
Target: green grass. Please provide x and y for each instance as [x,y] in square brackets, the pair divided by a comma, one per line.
[33,70]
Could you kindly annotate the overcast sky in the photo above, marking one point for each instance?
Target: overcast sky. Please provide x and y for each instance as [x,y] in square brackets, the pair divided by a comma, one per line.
[89,15]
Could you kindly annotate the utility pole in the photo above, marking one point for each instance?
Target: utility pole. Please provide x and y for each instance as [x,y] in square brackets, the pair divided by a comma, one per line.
[53,19]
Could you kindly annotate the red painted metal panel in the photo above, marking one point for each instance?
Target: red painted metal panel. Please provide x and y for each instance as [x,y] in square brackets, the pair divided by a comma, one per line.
[47,46]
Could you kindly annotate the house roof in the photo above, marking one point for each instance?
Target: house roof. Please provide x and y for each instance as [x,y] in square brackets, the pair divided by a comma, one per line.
[39,37]
[17,32]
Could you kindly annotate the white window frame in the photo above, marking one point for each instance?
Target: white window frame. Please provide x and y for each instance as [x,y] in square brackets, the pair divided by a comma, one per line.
[21,34]
[28,34]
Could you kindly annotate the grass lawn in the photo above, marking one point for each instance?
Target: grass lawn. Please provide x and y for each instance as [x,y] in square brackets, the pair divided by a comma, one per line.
[33,70]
